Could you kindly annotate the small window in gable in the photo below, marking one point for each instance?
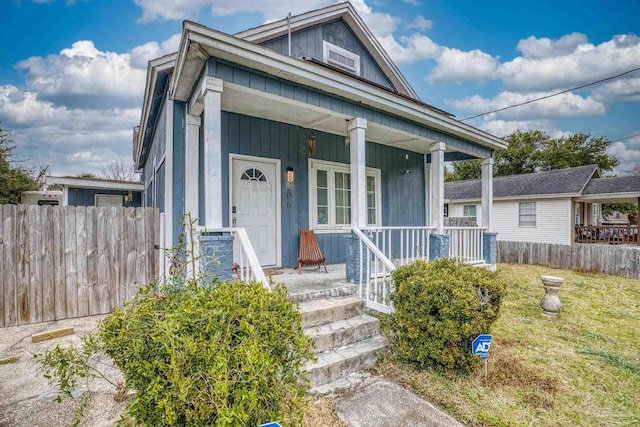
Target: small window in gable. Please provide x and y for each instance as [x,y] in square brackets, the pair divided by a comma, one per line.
[341,58]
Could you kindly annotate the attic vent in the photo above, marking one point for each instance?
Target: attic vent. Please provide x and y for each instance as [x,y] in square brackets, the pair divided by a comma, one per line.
[340,57]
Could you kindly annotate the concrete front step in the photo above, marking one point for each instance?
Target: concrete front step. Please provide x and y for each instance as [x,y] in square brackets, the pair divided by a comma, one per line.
[336,289]
[338,363]
[322,311]
[343,332]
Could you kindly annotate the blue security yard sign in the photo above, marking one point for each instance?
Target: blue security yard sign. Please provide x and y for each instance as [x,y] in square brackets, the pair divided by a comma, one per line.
[273,424]
[481,346]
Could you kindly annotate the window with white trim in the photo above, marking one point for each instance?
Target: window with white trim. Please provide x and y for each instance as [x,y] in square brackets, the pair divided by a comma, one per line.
[527,214]
[330,195]
[341,58]
[470,211]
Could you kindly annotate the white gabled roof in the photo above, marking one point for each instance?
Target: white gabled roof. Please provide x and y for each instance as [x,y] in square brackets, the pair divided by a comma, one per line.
[347,12]
[96,183]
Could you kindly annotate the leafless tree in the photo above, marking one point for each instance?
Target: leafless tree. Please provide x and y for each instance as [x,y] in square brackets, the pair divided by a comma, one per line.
[120,171]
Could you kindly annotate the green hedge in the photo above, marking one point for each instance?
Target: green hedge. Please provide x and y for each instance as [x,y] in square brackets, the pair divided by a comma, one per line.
[226,355]
[440,308]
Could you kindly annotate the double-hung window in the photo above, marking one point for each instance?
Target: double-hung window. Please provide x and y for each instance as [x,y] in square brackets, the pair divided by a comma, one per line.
[330,195]
[527,214]
[469,211]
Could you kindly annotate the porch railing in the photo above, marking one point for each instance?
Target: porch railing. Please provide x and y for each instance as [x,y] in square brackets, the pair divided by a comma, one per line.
[402,245]
[465,244]
[375,283]
[248,268]
[607,234]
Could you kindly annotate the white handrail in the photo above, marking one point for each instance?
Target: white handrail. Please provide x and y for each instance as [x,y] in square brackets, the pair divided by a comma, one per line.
[251,258]
[373,248]
[249,268]
[375,283]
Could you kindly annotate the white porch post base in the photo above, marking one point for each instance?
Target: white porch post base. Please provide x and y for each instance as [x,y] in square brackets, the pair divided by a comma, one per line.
[357,143]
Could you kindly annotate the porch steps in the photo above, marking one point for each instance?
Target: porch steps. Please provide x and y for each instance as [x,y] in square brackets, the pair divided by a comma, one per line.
[347,340]
[336,289]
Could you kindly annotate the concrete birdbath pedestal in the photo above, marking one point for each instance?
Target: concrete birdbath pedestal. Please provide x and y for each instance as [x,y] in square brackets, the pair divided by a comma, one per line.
[550,302]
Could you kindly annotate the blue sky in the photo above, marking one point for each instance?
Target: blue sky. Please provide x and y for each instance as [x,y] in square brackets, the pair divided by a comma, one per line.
[72,71]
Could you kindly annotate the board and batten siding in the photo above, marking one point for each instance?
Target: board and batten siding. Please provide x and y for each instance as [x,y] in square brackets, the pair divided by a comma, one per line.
[270,84]
[307,43]
[156,157]
[402,177]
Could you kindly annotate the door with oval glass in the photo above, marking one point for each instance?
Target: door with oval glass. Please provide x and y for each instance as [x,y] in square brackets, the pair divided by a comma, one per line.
[254,206]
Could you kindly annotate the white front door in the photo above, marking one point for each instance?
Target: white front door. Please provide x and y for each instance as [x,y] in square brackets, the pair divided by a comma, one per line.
[254,206]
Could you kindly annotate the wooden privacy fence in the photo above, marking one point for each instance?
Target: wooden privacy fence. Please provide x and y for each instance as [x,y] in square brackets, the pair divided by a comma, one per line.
[61,262]
[608,259]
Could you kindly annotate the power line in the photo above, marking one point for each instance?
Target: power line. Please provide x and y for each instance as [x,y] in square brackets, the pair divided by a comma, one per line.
[626,137]
[551,95]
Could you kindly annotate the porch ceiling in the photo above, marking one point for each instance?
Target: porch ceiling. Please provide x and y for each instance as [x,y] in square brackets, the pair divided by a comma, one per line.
[243,100]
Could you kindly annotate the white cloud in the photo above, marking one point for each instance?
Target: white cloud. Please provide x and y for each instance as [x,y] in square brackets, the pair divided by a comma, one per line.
[84,76]
[535,48]
[410,49]
[565,105]
[141,55]
[46,134]
[412,2]
[455,66]
[620,90]
[81,100]
[420,23]
[159,10]
[628,152]
[550,69]
[502,128]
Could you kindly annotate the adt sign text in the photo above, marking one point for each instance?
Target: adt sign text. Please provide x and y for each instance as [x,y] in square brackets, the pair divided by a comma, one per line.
[481,345]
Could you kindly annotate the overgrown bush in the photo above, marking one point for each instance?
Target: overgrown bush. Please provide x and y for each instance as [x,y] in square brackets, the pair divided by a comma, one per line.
[224,355]
[440,308]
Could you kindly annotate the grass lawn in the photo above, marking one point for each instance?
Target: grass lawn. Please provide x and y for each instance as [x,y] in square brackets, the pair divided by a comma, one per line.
[581,368]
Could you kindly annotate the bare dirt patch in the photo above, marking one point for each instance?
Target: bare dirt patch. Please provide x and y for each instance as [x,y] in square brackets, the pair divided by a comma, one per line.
[26,399]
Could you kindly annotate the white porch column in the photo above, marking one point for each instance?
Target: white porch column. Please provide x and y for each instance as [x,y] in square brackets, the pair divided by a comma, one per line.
[357,143]
[487,192]
[191,170]
[168,177]
[427,191]
[212,89]
[436,205]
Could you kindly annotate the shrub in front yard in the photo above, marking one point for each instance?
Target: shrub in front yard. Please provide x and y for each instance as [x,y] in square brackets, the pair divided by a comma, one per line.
[440,308]
[226,355]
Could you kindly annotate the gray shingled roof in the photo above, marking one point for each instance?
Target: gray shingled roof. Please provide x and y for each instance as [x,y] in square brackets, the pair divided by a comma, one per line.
[623,184]
[559,181]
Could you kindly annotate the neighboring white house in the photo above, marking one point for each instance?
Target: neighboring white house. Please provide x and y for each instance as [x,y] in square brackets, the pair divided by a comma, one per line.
[559,206]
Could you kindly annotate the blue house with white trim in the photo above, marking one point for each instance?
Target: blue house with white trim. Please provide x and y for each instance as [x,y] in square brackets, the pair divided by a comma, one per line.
[304,123]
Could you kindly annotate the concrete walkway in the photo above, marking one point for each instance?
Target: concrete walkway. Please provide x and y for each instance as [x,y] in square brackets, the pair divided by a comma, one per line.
[381,403]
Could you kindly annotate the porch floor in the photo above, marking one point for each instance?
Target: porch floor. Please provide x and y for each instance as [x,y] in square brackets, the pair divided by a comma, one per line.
[313,282]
